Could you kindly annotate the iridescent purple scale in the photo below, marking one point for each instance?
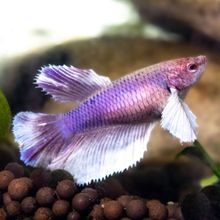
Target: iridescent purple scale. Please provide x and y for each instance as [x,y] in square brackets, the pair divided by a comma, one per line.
[131,99]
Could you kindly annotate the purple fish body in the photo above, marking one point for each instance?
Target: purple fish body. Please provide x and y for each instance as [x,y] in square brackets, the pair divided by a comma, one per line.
[113,120]
[136,98]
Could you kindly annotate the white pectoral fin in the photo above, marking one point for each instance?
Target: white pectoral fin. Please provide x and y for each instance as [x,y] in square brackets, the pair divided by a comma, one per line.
[178,119]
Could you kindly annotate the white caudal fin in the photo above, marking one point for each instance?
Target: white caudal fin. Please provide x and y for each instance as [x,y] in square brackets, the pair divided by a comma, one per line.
[178,119]
[96,154]
[39,137]
[68,83]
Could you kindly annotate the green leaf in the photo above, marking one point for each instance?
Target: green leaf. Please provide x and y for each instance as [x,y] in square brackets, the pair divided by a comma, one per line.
[209,181]
[198,151]
[193,152]
[5,117]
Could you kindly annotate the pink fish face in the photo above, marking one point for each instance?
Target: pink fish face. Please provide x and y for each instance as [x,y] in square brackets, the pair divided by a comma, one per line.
[183,73]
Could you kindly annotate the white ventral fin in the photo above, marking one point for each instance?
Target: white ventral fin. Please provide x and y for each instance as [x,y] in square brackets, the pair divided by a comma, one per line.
[178,119]
[96,154]
[68,83]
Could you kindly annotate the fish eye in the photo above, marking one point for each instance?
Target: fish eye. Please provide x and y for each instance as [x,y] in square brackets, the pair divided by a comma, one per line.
[192,67]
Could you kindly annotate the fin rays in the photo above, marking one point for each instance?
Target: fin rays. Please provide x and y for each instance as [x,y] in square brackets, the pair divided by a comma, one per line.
[178,119]
[95,155]
[39,137]
[67,84]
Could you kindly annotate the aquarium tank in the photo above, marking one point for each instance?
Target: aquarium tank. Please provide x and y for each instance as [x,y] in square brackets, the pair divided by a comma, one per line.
[109,109]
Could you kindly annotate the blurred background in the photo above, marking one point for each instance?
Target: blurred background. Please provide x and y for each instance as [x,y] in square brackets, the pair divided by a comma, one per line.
[113,37]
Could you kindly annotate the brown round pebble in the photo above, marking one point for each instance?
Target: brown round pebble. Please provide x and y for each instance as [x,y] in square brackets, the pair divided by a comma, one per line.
[18,188]
[174,211]
[81,202]
[29,205]
[136,209]
[27,218]
[40,178]
[104,200]
[16,169]
[45,196]
[2,214]
[74,215]
[197,206]
[66,189]
[13,209]
[113,210]
[92,193]
[97,213]
[28,181]
[1,198]
[157,210]
[60,208]
[43,214]
[6,199]
[124,200]
[5,178]
[213,194]
[59,175]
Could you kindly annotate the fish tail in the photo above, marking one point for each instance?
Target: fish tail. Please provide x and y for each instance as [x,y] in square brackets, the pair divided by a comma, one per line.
[40,137]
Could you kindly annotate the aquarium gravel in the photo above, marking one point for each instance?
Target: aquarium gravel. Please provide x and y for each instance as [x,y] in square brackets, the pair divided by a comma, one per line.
[58,197]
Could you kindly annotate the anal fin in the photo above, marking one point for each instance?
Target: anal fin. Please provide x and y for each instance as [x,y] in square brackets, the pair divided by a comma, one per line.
[96,154]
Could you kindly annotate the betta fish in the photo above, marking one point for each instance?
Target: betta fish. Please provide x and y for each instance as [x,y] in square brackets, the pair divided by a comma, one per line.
[109,129]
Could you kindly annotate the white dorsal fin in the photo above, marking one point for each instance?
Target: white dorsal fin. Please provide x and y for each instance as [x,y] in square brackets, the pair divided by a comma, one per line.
[96,154]
[178,119]
[68,83]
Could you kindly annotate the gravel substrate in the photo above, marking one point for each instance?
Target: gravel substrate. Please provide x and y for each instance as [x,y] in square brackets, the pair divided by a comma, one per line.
[42,195]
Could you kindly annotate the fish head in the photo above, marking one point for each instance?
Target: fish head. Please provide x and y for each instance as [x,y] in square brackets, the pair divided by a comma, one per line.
[184,72]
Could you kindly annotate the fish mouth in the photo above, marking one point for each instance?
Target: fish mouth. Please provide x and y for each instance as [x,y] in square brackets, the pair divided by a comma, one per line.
[202,59]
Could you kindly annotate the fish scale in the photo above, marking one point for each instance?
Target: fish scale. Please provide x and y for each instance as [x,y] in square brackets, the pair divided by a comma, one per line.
[122,101]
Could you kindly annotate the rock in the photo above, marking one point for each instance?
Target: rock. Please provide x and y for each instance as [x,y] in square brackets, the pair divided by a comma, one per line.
[124,200]
[60,208]
[13,209]
[15,168]
[43,213]
[92,193]
[45,196]
[74,215]
[157,210]
[66,189]
[202,16]
[113,210]
[213,194]
[81,202]
[19,188]
[196,206]
[29,205]
[97,213]
[40,177]
[5,178]
[136,209]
